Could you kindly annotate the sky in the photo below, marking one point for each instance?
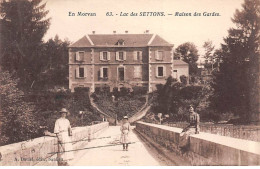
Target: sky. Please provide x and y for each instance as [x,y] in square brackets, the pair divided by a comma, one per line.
[174,29]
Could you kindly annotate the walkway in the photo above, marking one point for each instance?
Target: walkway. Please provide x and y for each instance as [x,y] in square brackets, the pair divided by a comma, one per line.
[140,153]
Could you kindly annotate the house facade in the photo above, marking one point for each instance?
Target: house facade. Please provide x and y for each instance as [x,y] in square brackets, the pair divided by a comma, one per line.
[180,68]
[120,60]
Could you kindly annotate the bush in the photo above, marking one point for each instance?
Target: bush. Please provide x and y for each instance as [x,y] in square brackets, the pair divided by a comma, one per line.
[18,120]
[184,79]
[139,90]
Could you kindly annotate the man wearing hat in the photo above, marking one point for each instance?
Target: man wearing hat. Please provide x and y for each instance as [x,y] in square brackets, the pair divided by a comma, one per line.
[63,130]
[192,128]
[125,128]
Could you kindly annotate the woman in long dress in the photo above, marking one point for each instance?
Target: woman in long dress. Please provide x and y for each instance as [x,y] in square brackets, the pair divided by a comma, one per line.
[192,128]
[63,132]
[125,129]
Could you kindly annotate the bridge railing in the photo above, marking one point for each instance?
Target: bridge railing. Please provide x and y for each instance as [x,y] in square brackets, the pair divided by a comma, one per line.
[42,150]
[236,131]
[203,148]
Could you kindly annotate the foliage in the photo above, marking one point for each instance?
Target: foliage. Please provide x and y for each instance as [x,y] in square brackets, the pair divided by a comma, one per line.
[188,52]
[124,103]
[236,84]
[17,116]
[184,79]
[173,98]
[23,26]
[55,68]
[49,103]
[209,54]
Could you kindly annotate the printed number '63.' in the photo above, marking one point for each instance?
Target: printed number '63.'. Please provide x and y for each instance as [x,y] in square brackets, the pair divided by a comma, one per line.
[109,14]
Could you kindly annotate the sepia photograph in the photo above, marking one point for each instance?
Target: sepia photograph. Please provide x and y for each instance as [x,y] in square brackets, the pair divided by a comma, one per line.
[129,83]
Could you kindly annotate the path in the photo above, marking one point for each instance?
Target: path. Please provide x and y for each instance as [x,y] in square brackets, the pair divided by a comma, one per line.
[139,153]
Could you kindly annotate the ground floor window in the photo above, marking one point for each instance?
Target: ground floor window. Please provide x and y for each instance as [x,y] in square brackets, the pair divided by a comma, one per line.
[81,72]
[121,74]
[160,72]
[104,72]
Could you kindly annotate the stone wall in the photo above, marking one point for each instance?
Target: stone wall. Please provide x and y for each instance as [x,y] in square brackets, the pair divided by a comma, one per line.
[204,148]
[39,151]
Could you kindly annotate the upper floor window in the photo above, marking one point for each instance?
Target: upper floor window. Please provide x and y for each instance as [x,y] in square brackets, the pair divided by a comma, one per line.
[104,55]
[159,55]
[160,71]
[137,55]
[80,56]
[121,55]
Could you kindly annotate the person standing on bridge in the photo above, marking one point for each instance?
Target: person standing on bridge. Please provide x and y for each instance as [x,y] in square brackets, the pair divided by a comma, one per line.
[192,128]
[125,129]
[62,131]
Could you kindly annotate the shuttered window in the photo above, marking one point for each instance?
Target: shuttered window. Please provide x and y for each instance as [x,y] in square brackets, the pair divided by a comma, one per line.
[159,55]
[121,55]
[80,56]
[137,72]
[137,55]
[104,72]
[104,56]
[81,72]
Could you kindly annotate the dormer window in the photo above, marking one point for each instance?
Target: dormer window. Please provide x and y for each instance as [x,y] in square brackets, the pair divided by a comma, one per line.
[120,42]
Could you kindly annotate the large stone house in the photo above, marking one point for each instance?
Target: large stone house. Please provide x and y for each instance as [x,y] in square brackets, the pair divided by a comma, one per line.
[120,60]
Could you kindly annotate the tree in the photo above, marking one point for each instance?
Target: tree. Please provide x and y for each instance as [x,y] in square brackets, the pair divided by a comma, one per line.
[17,118]
[236,83]
[23,26]
[209,55]
[55,68]
[188,53]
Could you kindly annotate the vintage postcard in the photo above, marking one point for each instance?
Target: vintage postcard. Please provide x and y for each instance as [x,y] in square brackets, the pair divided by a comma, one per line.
[129,83]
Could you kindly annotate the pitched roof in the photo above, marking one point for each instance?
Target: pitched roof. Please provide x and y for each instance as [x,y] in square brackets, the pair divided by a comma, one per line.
[158,41]
[179,63]
[130,40]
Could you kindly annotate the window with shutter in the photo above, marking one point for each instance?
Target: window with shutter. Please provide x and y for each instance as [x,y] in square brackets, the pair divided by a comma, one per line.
[139,55]
[160,55]
[77,56]
[105,72]
[105,56]
[137,72]
[121,56]
[81,56]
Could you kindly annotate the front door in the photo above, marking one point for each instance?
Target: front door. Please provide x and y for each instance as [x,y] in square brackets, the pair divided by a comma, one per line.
[121,74]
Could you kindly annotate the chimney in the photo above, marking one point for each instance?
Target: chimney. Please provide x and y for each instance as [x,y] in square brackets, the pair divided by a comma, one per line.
[126,31]
[114,32]
[147,31]
[93,32]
